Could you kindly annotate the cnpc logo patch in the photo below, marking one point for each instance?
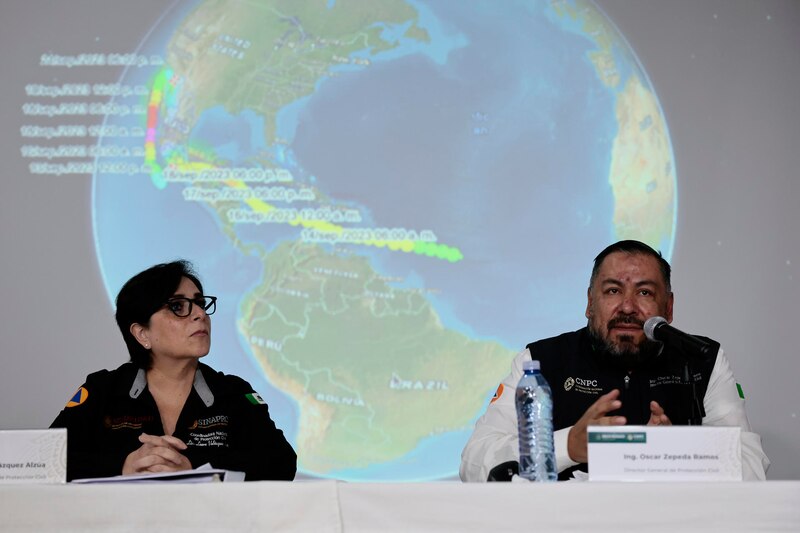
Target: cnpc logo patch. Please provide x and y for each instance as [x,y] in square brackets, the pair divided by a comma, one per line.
[582,385]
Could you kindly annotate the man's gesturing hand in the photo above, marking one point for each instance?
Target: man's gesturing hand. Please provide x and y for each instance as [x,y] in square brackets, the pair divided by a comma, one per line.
[595,415]
[657,416]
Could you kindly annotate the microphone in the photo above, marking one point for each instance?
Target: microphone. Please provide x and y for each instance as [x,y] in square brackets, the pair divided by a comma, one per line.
[656,328]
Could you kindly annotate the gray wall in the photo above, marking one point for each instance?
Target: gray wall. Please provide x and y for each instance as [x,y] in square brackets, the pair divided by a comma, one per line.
[727,74]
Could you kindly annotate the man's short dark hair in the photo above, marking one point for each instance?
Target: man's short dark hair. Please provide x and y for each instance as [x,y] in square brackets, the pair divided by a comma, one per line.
[144,294]
[633,247]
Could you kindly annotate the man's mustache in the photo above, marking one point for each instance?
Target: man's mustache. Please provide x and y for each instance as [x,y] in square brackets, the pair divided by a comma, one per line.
[626,320]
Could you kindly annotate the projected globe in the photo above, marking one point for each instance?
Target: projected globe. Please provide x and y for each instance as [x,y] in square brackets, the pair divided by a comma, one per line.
[389,198]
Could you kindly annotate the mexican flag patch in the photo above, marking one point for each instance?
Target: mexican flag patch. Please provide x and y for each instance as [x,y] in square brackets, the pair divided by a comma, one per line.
[255,399]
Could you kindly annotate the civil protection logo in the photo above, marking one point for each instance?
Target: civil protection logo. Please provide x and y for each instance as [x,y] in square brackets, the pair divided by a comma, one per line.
[78,398]
[497,393]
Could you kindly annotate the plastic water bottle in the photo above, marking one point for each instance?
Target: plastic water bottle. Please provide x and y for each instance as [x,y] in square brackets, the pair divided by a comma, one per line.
[537,459]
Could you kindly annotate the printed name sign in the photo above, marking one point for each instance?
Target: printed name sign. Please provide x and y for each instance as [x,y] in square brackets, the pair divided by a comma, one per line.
[664,453]
[33,456]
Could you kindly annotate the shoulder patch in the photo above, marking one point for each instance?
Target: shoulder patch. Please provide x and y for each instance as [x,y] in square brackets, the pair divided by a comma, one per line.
[254,398]
[497,393]
[78,398]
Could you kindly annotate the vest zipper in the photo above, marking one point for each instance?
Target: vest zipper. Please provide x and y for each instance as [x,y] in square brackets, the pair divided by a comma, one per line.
[627,380]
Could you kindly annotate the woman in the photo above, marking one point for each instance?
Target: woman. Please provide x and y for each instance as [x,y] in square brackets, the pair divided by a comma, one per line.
[165,411]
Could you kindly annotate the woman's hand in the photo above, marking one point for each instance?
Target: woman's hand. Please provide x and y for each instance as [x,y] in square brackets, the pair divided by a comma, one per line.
[156,454]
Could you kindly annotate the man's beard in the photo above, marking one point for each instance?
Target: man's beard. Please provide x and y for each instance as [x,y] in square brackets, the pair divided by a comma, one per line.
[624,353]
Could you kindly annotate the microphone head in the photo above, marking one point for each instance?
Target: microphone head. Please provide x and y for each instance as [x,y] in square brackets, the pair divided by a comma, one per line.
[650,326]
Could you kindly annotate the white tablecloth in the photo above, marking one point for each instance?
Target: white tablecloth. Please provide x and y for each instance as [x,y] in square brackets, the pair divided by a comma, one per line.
[366,507]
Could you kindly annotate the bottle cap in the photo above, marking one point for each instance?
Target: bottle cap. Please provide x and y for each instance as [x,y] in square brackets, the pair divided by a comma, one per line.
[530,365]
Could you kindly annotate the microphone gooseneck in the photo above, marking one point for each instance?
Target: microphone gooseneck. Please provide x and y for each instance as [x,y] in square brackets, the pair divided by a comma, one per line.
[656,328]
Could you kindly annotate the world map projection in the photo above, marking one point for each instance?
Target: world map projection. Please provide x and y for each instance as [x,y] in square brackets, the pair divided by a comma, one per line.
[389,198]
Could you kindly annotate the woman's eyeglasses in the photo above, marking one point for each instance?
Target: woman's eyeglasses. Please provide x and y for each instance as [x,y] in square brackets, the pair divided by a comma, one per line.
[182,307]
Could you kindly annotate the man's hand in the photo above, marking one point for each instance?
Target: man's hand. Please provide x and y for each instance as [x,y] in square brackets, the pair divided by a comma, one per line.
[157,454]
[594,416]
[657,416]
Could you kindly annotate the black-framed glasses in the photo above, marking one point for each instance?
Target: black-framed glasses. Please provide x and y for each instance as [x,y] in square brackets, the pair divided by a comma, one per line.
[182,307]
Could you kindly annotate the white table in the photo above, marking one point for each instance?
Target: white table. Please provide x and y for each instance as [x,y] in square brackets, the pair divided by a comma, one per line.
[365,507]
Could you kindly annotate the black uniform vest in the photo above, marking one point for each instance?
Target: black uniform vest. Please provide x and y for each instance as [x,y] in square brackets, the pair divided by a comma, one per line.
[578,375]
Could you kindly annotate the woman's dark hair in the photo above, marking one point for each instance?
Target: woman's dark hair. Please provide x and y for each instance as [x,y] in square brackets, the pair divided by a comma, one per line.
[144,294]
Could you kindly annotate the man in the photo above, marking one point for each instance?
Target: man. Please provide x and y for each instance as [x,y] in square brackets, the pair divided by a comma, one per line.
[609,373]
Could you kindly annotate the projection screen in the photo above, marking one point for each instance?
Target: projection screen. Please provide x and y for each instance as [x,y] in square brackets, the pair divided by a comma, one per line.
[391,198]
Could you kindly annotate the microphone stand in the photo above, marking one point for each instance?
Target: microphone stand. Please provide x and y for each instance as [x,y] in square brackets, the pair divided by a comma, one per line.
[697,411]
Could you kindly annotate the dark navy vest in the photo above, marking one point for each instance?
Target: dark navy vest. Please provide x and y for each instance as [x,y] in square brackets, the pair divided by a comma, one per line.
[579,374]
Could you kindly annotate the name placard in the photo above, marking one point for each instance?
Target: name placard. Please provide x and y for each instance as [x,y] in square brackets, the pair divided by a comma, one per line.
[33,456]
[664,453]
